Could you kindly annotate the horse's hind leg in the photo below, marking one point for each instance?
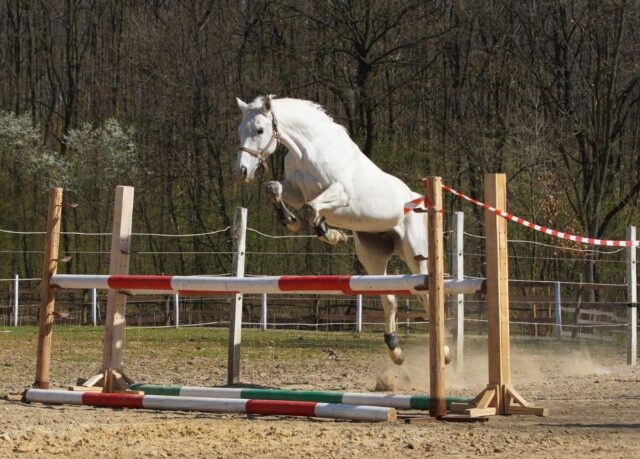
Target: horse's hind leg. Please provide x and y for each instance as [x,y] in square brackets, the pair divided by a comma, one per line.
[374,251]
[280,193]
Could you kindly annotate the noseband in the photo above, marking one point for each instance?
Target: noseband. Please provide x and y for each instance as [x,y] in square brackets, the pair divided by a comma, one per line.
[263,154]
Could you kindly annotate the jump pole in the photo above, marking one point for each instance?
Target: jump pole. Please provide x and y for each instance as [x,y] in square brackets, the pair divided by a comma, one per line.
[47,294]
[403,284]
[398,401]
[212,405]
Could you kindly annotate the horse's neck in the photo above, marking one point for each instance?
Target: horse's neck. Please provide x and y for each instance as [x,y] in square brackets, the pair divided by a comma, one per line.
[309,143]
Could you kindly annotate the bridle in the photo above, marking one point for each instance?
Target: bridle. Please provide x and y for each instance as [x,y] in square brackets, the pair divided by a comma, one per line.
[263,154]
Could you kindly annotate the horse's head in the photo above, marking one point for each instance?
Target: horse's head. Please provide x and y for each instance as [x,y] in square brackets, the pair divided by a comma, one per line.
[258,132]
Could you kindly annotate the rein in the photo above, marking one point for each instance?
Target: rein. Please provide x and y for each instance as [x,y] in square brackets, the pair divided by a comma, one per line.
[262,154]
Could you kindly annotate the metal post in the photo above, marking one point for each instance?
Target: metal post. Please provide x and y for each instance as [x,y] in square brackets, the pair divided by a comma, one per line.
[632,295]
[557,300]
[359,314]
[458,272]
[263,312]
[16,304]
[176,309]
[239,244]
[94,307]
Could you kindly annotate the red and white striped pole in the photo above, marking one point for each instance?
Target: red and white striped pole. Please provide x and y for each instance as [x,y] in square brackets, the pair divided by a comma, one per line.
[409,284]
[213,405]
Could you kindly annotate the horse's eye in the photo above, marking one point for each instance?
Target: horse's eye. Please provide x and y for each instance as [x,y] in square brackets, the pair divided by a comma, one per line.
[260,131]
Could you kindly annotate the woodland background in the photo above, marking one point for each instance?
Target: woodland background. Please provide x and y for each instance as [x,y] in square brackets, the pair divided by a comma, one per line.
[94,94]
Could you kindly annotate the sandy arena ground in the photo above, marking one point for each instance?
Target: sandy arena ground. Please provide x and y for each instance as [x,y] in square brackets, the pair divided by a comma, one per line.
[594,399]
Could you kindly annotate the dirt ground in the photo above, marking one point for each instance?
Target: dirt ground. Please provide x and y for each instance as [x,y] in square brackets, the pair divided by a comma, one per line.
[593,397]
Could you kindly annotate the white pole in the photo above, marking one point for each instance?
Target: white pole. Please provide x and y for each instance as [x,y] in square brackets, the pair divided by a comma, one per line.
[176,309]
[16,303]
[94,306]
[557,300]
[458,270]
[359,314]
[632,295]
[235,328]
[263,312]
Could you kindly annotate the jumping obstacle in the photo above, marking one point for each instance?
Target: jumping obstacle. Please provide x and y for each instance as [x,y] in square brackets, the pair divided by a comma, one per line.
[401,402]
[409,284]
[213,405]
[498,398]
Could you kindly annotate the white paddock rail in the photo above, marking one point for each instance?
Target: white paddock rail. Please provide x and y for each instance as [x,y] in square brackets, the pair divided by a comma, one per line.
[409,284]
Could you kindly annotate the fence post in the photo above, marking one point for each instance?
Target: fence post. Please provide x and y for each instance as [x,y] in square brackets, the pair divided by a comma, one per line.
[176,310]
[47,294]
[235,327]
[263,312]
[458,272]
[359,314]
[557,300]
[16,303]
[94,307]
[632,295]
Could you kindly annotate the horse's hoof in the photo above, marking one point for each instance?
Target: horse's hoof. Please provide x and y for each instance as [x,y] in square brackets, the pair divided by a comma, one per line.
[275,189]
[294,225]
[334,237]
[447,355]
[396,355]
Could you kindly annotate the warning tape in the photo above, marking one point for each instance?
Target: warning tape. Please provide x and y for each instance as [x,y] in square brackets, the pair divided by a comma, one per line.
[418,203]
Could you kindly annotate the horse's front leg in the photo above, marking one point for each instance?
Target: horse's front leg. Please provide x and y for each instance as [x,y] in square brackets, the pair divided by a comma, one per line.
[390,306]
[281,192]
[331,198]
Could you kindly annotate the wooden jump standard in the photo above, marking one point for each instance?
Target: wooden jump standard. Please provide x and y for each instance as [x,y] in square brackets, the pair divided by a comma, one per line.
[498,398]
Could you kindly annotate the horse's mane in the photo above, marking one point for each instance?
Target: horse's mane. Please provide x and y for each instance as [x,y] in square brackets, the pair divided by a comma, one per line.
[300,107]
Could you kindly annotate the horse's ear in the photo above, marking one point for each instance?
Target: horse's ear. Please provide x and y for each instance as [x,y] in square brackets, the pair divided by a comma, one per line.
[241,105]
[266,104]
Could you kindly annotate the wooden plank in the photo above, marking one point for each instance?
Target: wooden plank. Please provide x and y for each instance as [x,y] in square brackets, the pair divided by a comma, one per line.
[118,264]
[48,299]
[477,412]
[435,263]
[497,284]
[530,410]
[235,327]
[463,418]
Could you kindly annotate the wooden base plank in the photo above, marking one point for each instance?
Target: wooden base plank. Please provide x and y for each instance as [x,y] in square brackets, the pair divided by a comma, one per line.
[530,410]
[486,403]
[477,412]
[417,419]
[463,418]
[115,381]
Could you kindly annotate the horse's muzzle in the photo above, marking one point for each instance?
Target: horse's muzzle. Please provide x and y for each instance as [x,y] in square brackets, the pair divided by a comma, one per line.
[240,174]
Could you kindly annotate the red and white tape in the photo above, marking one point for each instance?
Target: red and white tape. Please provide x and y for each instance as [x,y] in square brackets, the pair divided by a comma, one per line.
[418,203]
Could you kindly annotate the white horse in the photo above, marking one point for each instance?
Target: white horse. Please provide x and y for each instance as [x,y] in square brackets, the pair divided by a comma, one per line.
[334,183]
